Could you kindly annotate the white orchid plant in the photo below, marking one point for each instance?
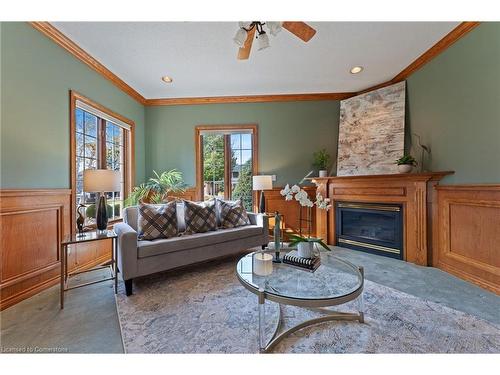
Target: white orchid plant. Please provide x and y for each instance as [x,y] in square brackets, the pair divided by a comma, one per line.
[300,195]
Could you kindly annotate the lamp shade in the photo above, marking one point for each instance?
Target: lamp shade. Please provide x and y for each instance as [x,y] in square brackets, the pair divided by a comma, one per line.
[101,180]
[240,37]
[274,27]
[262,182]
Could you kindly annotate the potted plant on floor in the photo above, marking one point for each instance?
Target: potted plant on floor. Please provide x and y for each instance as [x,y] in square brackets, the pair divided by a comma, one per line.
[157,189]
[406,164]
[321,161]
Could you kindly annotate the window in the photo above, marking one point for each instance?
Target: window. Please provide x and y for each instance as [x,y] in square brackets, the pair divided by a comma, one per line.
[100,140]
[226,161]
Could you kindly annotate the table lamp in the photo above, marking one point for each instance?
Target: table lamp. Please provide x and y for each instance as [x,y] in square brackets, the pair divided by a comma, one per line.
[101,181]
[262,183]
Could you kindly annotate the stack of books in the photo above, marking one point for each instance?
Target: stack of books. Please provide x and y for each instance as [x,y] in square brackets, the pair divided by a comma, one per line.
[309,264]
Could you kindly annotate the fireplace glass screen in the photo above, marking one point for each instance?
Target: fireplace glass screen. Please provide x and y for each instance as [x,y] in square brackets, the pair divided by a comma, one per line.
[376,228]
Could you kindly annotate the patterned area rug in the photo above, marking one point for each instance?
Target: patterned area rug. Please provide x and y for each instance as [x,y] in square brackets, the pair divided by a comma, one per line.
[205,309]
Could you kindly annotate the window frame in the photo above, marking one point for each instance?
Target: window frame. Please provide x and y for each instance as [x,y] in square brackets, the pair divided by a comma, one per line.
[128,144]
[199,129]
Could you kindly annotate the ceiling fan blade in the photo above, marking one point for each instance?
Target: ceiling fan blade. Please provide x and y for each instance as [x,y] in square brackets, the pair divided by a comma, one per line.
[244,52]
[300,29]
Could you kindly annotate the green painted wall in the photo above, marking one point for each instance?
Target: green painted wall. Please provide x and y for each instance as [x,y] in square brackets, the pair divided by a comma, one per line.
[452,102]
[36,76]
[288,135]
[454,105]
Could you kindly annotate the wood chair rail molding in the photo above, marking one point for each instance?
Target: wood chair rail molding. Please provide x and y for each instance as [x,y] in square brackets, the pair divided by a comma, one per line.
[32,225]
[413,190]
[467,243]
[63,41]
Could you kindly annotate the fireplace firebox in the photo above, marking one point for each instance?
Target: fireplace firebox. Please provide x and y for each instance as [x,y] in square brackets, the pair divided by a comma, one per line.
[370,227]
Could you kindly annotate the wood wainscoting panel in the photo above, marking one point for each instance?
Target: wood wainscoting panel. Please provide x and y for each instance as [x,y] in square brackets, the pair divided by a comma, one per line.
[468,233]
[290,210]
[370,190]
[28,254]
[190,194]
[86,255]
[32,224]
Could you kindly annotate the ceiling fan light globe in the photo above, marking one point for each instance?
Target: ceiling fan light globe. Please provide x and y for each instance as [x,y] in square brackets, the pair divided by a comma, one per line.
[274,27]
[244,24]
[263,41]
[240,37]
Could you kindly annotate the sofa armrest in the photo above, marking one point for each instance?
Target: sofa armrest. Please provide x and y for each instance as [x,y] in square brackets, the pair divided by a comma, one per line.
[261,220]
[127,250]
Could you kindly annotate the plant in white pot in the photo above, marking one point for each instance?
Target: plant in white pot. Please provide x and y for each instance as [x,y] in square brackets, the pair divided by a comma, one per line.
[305,245]
[321,161]
[406,164]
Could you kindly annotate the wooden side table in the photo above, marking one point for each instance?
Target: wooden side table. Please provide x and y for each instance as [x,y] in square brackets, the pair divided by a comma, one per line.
[87,237]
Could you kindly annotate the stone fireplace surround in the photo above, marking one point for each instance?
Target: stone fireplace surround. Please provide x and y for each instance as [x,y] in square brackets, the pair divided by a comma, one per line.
[414,191]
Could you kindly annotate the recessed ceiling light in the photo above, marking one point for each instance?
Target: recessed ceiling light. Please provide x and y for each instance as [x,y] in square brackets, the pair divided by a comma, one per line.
[356,69]
[167,79]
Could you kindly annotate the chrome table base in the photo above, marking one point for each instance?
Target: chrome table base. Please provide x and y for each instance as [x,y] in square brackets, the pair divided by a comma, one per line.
[276,338]
[266,346]
[322,301]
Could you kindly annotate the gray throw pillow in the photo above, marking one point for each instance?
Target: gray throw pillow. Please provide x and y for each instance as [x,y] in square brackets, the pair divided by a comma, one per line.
[199,217]
[232,214]
[218,208]
[157,221]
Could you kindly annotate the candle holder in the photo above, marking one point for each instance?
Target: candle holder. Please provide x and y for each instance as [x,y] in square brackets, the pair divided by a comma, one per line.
[262,264]
[277,237]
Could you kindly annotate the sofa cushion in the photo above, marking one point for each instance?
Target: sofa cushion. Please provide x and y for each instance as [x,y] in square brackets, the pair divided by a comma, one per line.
[130,216]
[232,214]
[157,221]
[157,247]
[217,208]
[199,217]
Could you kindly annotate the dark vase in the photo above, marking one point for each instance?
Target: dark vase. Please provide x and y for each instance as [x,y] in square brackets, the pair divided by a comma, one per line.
[80,221]
[101,215]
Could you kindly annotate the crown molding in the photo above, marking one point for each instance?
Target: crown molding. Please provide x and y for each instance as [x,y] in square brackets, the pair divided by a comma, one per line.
[250,99]
[450,38]
[63,41]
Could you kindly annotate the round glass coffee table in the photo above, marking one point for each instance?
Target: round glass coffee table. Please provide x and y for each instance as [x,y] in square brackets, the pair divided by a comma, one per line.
[335,282]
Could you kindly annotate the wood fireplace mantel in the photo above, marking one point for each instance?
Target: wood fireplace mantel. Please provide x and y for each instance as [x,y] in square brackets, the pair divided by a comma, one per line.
[415,191]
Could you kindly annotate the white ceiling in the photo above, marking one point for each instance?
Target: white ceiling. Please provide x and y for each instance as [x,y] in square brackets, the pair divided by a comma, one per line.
[201,56]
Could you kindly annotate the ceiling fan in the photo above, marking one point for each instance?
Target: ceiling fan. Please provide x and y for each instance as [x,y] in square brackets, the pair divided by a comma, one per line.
[245,35]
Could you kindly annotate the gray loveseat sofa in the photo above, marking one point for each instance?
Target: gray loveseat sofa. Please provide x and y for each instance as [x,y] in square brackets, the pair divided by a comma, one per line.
[139,258]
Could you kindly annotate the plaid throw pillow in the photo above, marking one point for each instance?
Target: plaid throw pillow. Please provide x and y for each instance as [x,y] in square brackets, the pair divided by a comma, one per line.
[157,221]
[232,214]
[200,216]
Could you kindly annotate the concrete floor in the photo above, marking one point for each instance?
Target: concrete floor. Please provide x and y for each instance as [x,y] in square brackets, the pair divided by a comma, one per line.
[89,321]
[87,324]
